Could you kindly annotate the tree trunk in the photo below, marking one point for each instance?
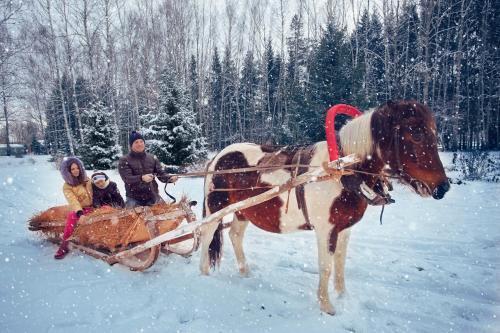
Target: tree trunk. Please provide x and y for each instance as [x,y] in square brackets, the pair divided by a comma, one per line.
[6,115]
[69,53]
[59,79]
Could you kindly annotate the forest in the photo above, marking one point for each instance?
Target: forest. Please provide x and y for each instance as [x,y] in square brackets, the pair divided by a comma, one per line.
[198,75]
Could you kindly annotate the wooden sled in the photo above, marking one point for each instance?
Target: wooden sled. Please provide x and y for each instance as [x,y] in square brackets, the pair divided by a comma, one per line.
[108,231]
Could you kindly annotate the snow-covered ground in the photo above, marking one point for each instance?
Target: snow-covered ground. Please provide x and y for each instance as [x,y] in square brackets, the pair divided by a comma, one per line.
[433,266]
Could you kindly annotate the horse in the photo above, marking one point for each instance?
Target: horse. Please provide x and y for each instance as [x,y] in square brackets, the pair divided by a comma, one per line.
[396,140]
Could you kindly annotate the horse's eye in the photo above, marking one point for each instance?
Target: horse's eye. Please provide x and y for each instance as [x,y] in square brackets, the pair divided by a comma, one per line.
[417,137]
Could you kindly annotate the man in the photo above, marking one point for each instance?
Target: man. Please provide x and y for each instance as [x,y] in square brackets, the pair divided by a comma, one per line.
[138,170]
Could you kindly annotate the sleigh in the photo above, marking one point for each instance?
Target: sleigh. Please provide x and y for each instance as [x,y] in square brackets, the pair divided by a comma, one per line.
[106,232]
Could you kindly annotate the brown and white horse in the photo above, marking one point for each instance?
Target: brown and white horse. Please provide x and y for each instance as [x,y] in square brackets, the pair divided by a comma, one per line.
[399,139]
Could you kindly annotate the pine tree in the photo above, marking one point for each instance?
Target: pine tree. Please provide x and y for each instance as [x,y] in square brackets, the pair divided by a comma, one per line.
[408,52]
[272,94]
[172,133]
[36,147]
[331,81]
[215,102]
[56,139]
[194,86]
[230,118]
[247,96]
[362,60]
[100,148]
[296,78]
[375,46]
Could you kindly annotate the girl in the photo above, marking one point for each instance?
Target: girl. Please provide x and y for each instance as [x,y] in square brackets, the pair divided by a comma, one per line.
[105,192]
[77,189]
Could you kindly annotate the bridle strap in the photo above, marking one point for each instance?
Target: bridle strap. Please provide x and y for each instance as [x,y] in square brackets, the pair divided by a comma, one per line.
[396,148]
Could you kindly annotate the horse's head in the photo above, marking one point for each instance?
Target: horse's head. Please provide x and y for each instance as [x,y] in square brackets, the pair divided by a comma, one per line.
[404,133]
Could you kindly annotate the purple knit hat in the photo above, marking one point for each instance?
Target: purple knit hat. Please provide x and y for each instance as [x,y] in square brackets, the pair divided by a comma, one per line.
[134,136]
[66,171]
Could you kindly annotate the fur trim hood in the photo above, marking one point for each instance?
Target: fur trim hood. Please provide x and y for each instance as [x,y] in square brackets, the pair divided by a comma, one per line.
[66,173]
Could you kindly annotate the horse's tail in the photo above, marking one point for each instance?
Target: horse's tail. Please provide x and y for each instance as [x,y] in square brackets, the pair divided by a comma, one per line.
[215,247]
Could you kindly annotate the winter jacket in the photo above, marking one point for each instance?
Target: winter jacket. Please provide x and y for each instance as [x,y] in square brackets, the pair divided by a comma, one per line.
[77,190]
[108,196]
[78,196]
[132,167]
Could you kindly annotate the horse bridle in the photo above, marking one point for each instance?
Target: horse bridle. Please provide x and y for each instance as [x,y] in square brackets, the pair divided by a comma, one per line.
[396,148]
[400,173]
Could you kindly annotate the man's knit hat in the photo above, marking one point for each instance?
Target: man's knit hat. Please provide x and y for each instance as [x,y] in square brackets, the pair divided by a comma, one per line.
[134,136]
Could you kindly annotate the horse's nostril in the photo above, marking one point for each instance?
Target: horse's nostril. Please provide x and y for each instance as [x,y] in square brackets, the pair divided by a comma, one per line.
[446,186]
[440,190]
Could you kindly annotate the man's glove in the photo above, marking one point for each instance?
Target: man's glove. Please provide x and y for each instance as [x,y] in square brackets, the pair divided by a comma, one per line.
[173,179]
[79,213]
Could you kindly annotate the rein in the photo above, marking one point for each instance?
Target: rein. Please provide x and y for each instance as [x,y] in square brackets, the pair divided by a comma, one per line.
[242,170]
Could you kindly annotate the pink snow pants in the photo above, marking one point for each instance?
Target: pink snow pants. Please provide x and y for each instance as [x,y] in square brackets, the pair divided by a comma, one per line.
[71,221]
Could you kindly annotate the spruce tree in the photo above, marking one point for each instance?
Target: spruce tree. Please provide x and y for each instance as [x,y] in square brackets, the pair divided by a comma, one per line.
[362,60]
[194,86]
[330,81]
[100,147]
[296,78]
[215,102]
[230,117]
[247,96]
[172,133]
[375,46]
[36,146]
[407,53]
[272,95]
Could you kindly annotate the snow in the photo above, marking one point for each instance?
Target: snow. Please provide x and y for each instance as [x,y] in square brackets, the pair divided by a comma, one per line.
[433,266]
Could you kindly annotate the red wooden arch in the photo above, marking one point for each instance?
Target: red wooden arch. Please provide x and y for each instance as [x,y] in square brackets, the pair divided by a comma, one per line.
[349,110]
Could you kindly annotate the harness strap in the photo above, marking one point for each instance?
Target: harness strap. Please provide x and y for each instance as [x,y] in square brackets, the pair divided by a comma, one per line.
[299,190]
[294,176]
[396,147]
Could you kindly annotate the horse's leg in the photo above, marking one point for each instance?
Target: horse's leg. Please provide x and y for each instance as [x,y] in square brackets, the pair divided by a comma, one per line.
[236,233]
[325,261]
[339,259]
[207,233]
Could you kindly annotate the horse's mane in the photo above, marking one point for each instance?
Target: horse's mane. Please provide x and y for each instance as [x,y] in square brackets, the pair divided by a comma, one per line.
[356,136]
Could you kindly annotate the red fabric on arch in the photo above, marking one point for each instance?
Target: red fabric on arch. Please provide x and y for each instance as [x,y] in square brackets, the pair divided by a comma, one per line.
[346,109]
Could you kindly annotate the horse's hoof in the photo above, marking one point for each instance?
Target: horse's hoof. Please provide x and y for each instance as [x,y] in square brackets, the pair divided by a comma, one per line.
[328,309]
[244,271]
[340,293]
